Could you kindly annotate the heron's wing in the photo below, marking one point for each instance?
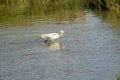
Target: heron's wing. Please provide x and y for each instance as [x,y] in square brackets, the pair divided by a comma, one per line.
[44,36]
[50,36]
[53,34]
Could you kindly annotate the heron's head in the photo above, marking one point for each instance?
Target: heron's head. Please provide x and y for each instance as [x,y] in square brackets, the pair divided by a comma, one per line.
[61,33]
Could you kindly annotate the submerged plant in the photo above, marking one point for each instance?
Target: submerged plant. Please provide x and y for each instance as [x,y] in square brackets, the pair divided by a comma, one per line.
[117,74]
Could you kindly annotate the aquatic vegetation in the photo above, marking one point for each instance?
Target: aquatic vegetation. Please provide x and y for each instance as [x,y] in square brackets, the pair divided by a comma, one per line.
[111,5]
[37,7]
[111,17]
[44,7]
[14,10]
[117,74]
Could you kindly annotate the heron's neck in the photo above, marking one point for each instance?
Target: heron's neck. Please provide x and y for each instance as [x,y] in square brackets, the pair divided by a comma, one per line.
[61,34]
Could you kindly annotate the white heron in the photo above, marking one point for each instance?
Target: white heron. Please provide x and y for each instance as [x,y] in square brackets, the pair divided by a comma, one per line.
[52,36]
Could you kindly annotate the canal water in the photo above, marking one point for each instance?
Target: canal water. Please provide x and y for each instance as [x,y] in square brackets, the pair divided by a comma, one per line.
[89,49]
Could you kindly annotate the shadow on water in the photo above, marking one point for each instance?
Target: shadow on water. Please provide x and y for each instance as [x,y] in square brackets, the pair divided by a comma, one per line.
[112,18]
[68,16]
[109,17]
[54,46]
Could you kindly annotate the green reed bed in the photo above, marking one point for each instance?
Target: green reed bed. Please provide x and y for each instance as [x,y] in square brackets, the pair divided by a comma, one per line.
[110,5]
[13,10]
[117,74]
[44,7]
[37,7]
[16,10]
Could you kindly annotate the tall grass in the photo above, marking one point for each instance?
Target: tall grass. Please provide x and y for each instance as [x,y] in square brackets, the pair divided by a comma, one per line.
[117,74]
[43,7]
[10,9]
[16,10]
[37,7]
[111,5]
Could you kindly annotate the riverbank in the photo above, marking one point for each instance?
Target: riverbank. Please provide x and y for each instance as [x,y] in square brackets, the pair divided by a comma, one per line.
[110,5]
[44,7]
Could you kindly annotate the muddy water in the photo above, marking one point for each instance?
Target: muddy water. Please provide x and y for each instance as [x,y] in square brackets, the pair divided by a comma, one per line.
[89,50]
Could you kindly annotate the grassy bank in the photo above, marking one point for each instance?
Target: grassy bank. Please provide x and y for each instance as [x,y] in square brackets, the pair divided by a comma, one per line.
[37,7]
[43,7]
[110,5]
[12,10]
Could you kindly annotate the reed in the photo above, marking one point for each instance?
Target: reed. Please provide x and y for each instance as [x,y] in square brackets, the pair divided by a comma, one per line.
[111,5]
[117,74]
[13,11]
[37,7]
[44,7]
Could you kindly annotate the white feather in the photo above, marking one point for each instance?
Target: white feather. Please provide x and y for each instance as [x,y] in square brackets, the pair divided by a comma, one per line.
[52,36]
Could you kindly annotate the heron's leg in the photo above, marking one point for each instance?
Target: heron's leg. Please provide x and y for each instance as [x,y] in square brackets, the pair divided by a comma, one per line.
[46,40]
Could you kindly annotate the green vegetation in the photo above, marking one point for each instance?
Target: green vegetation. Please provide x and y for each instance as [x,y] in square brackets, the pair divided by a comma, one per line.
[117,74]
[37,7]
[44,7]
[111,17]
[13,11]
[111,5]
[17,10]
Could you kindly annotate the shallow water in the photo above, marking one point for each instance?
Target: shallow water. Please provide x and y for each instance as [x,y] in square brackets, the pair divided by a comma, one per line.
[89,50]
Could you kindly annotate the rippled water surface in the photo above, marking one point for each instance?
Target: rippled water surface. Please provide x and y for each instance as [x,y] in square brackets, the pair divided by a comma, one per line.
[89,50]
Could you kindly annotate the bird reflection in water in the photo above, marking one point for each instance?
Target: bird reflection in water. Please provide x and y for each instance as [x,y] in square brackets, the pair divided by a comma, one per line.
[54,45]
